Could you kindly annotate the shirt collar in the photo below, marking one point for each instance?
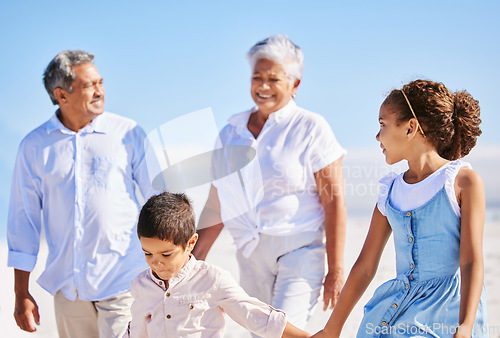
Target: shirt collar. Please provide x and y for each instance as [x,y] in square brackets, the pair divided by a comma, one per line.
[97,125]
[240,121]
[156,280]
[185,271]
[282,115]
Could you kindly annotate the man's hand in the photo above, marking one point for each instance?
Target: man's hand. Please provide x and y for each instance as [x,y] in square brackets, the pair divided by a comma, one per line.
[26,312]
[334,282]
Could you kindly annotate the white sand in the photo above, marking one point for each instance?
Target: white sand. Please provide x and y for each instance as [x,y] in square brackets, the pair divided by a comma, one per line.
[223,255]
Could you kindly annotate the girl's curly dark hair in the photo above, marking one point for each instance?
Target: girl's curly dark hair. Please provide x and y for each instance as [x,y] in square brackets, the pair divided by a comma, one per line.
[450,121]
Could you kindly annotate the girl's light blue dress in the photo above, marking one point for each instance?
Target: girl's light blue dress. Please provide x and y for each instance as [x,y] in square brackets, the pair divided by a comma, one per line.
[424,298]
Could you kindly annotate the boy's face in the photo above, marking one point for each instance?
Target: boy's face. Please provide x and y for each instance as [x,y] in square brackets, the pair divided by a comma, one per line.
[164,257]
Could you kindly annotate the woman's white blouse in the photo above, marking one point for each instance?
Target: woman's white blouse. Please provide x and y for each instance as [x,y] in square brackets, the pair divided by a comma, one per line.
[276,192]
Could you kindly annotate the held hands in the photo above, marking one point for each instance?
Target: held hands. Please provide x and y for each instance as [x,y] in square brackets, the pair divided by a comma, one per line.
[26,312]
[324,334]
[334,282]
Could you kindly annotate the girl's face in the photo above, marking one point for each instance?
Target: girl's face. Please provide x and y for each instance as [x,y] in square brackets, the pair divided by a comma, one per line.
[393,135]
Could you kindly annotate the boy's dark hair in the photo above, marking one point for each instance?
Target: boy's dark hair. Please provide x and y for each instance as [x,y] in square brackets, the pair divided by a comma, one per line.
[169,217]
[450,121]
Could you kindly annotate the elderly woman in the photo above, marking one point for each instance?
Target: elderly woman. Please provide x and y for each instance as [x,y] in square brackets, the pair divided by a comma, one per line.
[297,199]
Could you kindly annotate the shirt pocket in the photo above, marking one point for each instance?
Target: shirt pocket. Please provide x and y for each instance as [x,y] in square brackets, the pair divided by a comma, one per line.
[193,304]
[100,169]
[193,311]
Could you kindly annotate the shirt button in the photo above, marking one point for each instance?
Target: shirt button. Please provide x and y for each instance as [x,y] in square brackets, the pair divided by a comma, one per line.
[169,316]
[407,286]
[408,214]
[395,305]
[384,323]
[410,239]
[411,266]
[168,294]
[191,307]
[160,282]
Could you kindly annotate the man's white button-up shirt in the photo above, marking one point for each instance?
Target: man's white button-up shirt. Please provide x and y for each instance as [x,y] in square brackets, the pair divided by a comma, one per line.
[82,187]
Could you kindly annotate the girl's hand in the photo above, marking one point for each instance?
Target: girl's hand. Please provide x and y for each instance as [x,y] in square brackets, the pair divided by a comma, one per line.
[462,332]
[470,190]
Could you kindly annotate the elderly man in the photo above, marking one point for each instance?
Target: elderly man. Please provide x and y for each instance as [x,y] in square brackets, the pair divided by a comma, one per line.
[76,175]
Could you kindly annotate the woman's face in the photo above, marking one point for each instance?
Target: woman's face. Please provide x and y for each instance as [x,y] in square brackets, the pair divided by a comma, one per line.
[271,89]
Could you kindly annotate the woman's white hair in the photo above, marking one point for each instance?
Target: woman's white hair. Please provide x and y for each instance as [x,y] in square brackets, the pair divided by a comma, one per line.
[281,50]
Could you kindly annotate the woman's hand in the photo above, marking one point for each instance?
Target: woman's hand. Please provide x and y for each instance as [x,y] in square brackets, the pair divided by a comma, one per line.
[334,282]
[209,225]
[330,184]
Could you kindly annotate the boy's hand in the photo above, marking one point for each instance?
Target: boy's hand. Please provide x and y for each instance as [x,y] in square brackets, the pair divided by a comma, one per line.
[26,312]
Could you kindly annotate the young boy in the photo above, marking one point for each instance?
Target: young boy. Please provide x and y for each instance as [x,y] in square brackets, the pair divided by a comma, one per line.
[182,297]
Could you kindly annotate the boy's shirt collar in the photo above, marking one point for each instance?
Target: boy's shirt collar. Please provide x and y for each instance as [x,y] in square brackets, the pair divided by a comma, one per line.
[177,278]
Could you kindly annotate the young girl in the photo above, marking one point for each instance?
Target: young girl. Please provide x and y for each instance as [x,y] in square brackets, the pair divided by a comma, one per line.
[436,211]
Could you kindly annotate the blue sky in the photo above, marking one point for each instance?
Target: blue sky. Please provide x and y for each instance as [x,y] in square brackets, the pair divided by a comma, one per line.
[163,59]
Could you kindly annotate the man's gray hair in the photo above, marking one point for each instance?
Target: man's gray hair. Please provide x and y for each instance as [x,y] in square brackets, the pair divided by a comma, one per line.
[59,73]
[280,49]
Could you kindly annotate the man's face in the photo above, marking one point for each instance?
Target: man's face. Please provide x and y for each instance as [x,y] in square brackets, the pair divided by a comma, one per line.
[86,101]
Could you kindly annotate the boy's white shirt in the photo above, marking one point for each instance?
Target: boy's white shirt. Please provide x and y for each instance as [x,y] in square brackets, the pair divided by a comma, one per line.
[194,305]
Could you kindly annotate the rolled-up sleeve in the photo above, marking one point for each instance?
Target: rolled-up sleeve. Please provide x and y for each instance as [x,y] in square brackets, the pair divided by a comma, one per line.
[24,216]
[140,165]
[249,312]
[324,147]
